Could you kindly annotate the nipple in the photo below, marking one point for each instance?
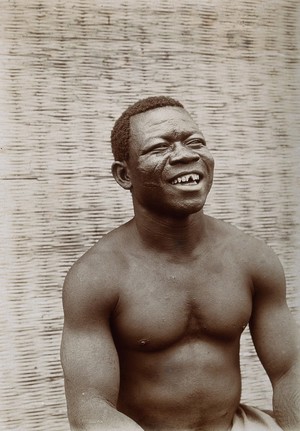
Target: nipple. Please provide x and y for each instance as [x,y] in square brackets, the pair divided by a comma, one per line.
[144,341]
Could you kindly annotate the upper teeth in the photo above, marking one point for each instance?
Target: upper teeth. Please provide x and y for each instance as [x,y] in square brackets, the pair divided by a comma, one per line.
[186,178]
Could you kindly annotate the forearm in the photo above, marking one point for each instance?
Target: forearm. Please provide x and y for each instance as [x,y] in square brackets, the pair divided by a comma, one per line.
[286,400]
[106,418]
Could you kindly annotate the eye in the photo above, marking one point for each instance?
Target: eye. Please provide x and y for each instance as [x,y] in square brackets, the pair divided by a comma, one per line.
[158,148]
[196,143]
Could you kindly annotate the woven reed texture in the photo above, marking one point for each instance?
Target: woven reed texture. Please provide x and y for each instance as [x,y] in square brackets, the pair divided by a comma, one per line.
[67,70]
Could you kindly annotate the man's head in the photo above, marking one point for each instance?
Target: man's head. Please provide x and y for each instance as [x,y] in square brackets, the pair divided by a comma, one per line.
[168,167]
[121,132]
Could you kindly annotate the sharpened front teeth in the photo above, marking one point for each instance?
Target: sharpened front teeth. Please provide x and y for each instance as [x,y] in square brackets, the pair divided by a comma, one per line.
[186,179]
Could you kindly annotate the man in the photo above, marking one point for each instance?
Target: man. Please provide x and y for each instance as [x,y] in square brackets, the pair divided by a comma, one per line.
[155,310]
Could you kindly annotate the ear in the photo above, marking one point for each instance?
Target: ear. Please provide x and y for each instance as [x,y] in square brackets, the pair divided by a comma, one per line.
[121,174]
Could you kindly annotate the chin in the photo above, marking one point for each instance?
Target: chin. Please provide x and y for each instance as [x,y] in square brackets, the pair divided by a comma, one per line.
[184,209]
[174,207]
[185,212]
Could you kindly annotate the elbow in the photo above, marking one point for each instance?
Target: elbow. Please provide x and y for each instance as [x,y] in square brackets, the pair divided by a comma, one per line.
[89,414]
[288,370]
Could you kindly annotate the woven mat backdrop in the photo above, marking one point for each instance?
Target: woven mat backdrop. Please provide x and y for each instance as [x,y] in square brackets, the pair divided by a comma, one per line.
[67,69]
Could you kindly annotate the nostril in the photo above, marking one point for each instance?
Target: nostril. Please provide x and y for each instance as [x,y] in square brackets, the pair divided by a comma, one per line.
[183,156]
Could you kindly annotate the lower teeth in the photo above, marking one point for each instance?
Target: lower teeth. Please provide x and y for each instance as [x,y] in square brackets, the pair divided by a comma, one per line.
[193,183]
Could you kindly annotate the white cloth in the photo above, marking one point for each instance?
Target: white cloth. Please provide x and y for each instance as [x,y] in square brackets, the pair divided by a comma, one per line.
[252,419]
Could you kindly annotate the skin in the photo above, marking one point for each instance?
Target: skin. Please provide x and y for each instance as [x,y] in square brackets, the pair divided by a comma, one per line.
[155,310]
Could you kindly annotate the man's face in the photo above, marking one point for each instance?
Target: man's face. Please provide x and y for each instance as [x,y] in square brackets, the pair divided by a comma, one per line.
[170,167]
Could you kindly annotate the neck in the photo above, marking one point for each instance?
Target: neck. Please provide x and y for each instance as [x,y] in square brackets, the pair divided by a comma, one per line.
[175,236]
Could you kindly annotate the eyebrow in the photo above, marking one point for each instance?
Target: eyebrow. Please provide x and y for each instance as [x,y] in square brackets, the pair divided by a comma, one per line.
[177,135]
[183,135]
[171,136]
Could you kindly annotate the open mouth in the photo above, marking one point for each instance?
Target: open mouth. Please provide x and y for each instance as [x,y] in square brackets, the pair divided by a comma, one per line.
[189,179]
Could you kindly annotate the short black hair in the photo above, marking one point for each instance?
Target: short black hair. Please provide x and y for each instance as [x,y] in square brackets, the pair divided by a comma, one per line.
[120,135]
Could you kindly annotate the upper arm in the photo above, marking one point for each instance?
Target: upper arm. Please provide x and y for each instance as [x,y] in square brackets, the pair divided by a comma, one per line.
[88,354]
[272,326]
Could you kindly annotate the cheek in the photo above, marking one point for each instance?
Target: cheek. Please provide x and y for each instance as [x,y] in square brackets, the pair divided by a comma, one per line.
[151,172]
[209,161]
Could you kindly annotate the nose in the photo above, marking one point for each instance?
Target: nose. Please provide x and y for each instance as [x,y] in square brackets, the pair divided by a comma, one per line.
[182,154]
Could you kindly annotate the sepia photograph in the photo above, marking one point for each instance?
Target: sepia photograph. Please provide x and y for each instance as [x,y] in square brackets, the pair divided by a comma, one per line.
[149,216]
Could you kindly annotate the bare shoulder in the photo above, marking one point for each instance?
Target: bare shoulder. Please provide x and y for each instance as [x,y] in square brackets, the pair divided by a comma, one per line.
[93,282]
[235,236]
[258,258]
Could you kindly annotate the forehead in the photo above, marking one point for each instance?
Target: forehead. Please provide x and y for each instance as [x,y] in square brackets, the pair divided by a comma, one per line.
[160,122]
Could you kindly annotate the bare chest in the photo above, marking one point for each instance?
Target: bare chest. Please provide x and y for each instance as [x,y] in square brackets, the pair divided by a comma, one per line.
[163,304]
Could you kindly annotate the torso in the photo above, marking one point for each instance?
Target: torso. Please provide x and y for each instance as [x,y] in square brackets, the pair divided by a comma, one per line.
[177,328]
